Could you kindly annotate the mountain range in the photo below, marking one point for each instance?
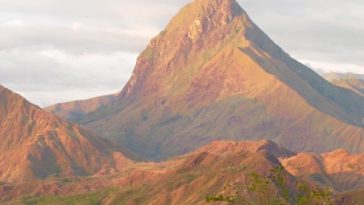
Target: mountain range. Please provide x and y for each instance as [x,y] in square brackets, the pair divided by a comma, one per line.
[247,172]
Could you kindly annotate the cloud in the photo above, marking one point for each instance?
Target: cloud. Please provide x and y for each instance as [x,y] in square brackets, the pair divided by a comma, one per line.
[314,30]
[44,76]
[60,50]
[73,37]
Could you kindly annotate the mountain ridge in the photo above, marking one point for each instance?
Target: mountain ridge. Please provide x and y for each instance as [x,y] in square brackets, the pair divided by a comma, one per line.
[226,168]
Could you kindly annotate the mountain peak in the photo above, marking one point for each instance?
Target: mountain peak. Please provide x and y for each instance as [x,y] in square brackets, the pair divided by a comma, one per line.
[199,31]
[202,16]
[229,7]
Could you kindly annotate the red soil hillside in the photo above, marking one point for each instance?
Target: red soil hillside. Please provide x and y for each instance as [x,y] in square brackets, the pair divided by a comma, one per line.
[218,173]
[35,144]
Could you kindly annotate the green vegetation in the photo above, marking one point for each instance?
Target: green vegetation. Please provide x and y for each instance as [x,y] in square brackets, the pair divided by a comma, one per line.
[148,52]
[264,188]
[276,189]
[314,195]
[220,198]
[279,176]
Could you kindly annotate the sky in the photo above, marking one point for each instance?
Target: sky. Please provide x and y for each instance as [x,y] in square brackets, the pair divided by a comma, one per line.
[55,51]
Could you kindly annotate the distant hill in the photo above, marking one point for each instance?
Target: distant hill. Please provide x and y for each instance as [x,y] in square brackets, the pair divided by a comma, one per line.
[74,111]
[352,81]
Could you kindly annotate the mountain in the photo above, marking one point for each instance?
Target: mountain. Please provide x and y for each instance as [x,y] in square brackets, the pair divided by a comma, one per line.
[223,172]
[213,74]
[337,169]
[332,76]
[37,145]
[354,82]
[74,111]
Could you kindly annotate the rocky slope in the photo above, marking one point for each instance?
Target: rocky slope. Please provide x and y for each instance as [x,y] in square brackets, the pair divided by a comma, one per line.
[213,74]
[37,145]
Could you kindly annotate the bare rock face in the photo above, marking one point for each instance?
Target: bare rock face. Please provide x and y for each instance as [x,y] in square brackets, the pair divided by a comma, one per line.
[213,74]
[36,145]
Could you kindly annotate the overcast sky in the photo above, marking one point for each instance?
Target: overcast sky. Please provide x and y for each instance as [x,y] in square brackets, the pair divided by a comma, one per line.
[59,50]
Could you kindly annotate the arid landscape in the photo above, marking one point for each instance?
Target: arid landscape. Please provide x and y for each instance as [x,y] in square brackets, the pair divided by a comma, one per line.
[215,112]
